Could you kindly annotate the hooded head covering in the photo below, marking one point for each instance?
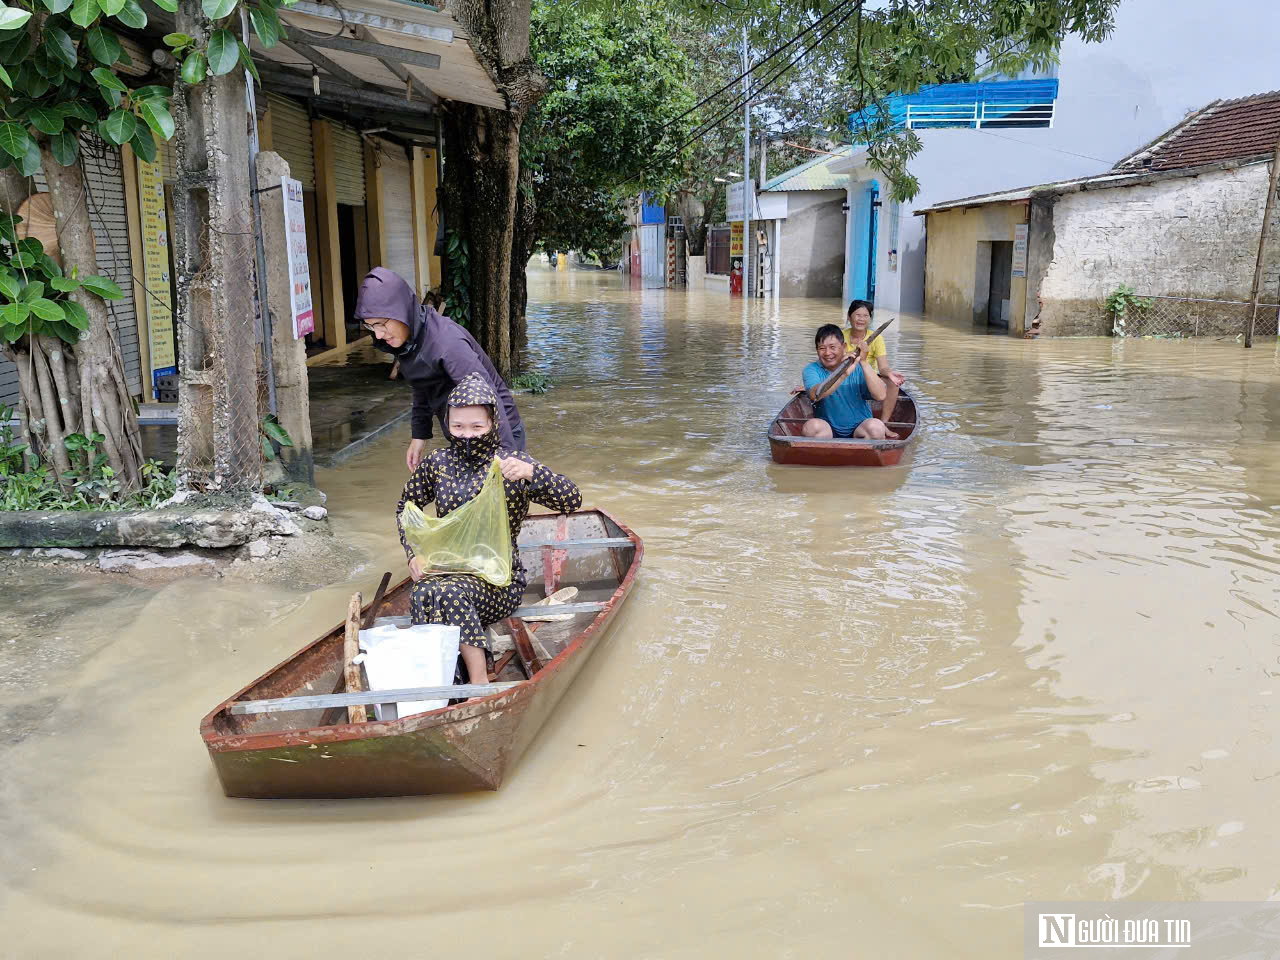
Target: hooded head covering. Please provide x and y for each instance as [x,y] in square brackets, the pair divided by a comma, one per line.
[384,294]
[473,390]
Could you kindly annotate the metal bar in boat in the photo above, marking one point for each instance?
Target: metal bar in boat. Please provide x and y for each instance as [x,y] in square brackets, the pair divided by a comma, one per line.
[360,697]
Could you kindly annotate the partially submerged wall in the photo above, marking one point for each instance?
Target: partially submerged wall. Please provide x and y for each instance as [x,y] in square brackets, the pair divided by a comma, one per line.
[1184,236]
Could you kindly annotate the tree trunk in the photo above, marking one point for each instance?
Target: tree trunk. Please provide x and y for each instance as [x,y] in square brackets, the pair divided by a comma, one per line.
[481,171]
[97,354]
[524,235]
[483,151]
[83,390]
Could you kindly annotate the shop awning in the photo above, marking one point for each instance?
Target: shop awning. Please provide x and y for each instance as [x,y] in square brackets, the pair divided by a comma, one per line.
[388,61]
[403,50]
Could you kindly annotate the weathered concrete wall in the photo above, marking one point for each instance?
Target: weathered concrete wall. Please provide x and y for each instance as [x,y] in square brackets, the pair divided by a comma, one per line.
[958,267]
[176,526]
[695,272]
[812,247]
[1039,252]
[1181,237]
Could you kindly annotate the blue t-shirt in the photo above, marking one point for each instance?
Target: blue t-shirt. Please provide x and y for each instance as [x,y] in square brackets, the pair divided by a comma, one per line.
[844,407]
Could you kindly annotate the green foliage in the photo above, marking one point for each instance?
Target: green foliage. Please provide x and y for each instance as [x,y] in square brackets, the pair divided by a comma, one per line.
[1118,304]
[531,382]
[273,434]
[850,63]
[35,295]
[92,485]
[457,279]
[608,125]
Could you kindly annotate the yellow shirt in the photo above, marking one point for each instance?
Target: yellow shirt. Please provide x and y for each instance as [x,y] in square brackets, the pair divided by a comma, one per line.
[873,352]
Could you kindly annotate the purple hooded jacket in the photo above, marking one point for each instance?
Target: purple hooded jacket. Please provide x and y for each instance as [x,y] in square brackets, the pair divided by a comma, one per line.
[437,355]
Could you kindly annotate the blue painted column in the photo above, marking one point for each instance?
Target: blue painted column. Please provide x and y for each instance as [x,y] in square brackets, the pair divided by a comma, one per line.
[861,241]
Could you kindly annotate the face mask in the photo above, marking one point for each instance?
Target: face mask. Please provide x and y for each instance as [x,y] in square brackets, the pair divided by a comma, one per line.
[475,448]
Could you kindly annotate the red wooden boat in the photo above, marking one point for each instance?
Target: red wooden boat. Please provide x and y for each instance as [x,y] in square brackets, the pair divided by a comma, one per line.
[787,443]
[287,735]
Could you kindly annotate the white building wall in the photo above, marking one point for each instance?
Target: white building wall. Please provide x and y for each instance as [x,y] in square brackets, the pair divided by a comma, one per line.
[1164,59]
[1184,237]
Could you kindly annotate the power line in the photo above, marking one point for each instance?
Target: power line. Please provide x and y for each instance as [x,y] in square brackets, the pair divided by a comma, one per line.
[760,63]
[741,101]
[1043,146]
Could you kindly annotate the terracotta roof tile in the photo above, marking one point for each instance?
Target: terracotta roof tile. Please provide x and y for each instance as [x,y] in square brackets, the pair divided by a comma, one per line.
[1224,130]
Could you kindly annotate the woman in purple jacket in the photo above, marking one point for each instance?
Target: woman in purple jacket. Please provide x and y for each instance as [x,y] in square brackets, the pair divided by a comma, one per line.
[435,355]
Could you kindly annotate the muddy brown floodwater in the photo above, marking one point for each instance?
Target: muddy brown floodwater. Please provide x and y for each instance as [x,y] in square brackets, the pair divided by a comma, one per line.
[845,712]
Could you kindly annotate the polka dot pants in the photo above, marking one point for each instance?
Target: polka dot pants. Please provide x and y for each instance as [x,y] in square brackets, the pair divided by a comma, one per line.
[467,602]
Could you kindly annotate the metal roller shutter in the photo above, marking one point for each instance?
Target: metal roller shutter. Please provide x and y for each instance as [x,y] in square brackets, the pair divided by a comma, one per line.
[348,165]
[8,384]
[109,220]
[397,205]
[291,137]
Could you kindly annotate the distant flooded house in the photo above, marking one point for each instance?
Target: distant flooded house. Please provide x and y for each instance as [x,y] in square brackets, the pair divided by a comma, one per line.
[1178,221]
[1056,122]
[801,215]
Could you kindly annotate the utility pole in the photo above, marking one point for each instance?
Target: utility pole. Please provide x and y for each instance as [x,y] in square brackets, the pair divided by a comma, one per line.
[1262,248]
[764,156]
[748,197]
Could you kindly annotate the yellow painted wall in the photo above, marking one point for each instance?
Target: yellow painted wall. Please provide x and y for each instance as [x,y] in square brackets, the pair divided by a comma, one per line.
[952,256]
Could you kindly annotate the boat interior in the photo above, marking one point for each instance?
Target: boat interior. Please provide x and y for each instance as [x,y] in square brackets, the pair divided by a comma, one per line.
[790,422]
[582,576]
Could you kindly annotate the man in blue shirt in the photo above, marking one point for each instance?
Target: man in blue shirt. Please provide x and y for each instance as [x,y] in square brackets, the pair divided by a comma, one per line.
[840,383]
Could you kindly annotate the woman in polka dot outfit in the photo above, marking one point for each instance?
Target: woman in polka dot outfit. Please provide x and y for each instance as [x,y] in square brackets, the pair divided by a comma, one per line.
[453,475]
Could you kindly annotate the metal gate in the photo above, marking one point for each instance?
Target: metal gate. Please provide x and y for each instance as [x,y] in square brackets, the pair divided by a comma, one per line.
[718,250]
[653,255]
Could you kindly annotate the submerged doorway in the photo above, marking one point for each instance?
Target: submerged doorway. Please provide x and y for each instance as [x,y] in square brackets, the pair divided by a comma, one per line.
[992,282]
[1001,275]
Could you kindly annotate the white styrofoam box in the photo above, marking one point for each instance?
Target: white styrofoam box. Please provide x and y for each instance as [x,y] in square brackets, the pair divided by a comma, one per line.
[423,655]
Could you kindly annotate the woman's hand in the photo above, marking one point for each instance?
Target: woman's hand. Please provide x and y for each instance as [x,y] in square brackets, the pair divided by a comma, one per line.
[897,378]
[413,456]
[513,468]
[415,570]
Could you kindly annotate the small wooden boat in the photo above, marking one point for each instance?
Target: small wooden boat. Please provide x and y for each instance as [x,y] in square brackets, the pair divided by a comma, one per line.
[289,733]
[787,443]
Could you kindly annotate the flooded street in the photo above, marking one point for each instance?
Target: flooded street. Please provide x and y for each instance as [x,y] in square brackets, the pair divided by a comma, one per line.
[845,711]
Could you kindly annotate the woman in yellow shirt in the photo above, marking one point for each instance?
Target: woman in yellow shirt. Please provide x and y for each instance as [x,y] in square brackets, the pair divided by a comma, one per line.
[859,318]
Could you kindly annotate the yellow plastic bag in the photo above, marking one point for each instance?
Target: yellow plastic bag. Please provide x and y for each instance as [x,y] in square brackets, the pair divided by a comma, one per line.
[474,539]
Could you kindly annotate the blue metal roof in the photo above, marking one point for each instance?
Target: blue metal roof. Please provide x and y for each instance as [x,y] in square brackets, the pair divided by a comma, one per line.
[1003,99]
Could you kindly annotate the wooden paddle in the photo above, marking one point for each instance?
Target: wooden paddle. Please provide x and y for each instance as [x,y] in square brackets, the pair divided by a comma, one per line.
[872,339]
[848,362]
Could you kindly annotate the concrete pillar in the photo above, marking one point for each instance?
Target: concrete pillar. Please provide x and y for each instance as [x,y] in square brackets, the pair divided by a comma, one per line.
[219,449]
[289,355]
[330,280]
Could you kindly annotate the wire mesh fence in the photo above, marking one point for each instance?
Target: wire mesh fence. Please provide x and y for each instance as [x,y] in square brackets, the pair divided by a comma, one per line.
[224,379]
[1174,318]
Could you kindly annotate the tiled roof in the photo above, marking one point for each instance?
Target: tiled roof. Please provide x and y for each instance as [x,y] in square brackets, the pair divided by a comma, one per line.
[1243,129]
[812,175]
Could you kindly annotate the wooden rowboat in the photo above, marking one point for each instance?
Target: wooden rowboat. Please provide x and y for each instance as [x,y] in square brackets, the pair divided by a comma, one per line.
[288,734]
[787,443]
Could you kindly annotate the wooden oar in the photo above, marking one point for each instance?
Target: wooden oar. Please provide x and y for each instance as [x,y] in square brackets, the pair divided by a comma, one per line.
[847,363]
[872,339]
[372,615]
